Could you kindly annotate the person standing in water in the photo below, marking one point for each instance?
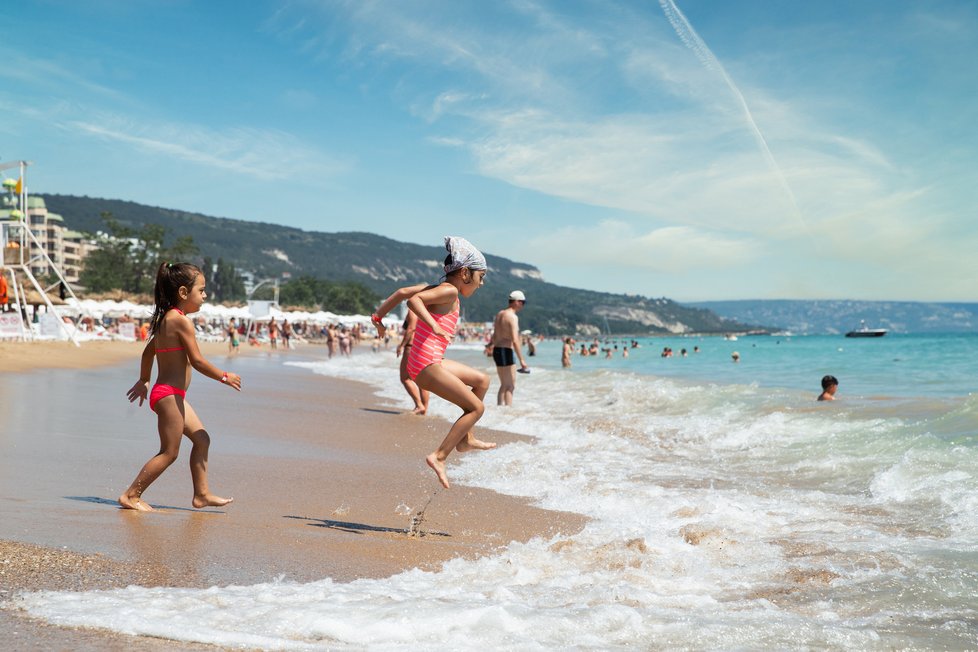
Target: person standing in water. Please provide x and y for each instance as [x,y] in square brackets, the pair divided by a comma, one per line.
[566,352]
[506,347]
[437,309]
[418,395]
[179,290]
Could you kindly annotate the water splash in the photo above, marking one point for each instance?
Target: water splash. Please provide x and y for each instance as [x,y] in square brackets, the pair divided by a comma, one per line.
[692,40]
[414,530]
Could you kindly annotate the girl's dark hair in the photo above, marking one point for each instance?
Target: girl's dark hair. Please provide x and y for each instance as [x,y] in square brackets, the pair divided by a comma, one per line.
[170,277]
[448,261]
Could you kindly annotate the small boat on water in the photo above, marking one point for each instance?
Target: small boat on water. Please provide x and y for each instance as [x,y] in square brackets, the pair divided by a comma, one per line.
[863,331]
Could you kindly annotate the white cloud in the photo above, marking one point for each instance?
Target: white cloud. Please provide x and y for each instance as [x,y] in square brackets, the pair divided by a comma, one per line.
[50,76]
[667,167]
[258,152]
[613,111]
[616,243]
[264,154]
[684,155]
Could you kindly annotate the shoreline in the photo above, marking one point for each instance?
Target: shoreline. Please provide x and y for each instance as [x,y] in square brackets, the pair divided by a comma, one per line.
[326,475]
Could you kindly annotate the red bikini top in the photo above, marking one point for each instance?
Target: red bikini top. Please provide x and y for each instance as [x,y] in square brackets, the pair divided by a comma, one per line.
[174,348]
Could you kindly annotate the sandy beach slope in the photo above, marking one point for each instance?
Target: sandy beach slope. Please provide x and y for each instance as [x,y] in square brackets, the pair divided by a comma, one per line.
[327,482]
[18,356]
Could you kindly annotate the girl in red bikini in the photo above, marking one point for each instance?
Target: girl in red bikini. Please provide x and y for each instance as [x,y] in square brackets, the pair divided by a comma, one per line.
[437,309]
[173,343]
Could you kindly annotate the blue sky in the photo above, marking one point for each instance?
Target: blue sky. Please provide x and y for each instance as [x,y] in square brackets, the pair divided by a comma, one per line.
[694,149]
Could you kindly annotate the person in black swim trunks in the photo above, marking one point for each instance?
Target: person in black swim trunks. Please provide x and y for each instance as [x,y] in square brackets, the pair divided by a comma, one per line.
[506,347]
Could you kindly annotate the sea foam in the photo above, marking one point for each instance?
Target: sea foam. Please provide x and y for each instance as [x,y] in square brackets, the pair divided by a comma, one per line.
[721,516]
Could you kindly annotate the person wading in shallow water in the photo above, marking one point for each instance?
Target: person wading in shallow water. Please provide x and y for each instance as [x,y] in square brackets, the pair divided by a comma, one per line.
[506,347]
[829,386]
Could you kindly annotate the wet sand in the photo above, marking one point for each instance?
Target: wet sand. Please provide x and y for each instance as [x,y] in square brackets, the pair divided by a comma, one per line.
[327,482]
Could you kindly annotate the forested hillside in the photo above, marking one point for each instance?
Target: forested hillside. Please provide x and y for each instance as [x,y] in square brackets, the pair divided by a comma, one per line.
[383,264]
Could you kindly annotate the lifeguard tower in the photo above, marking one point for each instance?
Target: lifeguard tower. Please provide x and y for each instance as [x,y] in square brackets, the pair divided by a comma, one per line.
[23,252]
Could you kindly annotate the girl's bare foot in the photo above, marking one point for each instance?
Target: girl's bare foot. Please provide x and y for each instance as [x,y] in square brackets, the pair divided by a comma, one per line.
[210,500]
[134,502]
[470,443]
[439,468]
[419,410]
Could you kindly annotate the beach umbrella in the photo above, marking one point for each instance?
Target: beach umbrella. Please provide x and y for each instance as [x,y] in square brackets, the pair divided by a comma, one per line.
[123,308]
[323,316]
[214,311]
[85,306]
[34,298]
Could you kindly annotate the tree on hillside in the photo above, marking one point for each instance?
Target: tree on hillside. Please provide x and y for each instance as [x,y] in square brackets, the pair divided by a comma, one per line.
[350,298]
[223,281]
[128,260]
[345,298]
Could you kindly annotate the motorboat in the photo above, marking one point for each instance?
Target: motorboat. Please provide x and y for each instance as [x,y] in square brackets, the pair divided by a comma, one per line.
[864,331]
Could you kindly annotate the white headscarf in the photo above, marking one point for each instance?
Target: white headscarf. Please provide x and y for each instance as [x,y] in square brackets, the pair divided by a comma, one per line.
[463,255]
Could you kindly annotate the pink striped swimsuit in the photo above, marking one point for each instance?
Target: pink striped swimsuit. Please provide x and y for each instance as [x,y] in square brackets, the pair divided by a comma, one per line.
[427,348]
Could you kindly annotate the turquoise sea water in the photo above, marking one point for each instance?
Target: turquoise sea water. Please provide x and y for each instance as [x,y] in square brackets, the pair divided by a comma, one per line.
[891,366]
[728,510]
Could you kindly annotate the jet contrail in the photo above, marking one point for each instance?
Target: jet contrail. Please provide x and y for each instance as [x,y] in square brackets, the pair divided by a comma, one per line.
[692,40]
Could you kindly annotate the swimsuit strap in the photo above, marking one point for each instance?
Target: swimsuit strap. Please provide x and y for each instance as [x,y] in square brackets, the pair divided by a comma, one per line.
[174,348]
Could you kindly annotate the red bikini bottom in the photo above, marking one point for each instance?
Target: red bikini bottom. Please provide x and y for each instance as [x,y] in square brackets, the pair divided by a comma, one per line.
[162,391]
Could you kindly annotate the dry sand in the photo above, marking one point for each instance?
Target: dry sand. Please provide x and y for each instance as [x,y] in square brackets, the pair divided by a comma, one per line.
[18,356]
[326,481]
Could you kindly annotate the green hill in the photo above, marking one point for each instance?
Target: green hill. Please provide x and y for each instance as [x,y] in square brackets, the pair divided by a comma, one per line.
[383,265]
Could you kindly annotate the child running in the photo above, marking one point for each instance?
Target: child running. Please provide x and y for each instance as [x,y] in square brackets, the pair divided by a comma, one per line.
[437,309]
[419,396]
[179,290]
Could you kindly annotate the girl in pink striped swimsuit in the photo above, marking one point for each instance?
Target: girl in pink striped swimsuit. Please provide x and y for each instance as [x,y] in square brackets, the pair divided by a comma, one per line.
[173,346]
[427,348]
[437,308]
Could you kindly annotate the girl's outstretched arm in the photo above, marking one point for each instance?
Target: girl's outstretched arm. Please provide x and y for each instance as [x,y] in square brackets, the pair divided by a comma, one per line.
[188,338]
[141,389]
[392,302]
